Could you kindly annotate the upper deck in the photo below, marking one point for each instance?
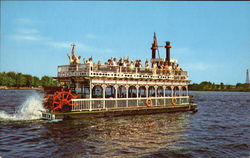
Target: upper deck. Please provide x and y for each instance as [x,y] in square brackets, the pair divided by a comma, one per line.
[121,72]
[163,69]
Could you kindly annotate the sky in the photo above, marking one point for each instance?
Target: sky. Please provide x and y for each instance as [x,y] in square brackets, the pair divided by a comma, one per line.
[211,40]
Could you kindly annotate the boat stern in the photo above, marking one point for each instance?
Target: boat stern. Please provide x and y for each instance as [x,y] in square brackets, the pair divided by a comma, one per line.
[48,116]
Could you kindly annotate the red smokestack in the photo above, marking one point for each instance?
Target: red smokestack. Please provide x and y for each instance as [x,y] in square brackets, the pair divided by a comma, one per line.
[168,46]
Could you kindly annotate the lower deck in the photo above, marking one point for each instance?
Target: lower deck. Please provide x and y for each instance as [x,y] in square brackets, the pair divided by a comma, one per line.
[119,112]
[122,107]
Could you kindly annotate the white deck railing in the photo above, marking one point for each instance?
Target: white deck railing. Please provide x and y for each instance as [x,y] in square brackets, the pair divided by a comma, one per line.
[118,71]
[111,103]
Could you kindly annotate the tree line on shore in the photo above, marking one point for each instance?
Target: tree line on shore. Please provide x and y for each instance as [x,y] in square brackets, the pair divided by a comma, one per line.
[208,86]
[14,79]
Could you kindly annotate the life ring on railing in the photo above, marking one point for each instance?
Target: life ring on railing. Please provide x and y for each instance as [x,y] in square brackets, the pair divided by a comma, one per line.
[149,102]
[174,101]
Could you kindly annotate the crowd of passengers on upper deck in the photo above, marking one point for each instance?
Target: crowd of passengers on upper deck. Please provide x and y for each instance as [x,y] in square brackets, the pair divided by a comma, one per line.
[127,63]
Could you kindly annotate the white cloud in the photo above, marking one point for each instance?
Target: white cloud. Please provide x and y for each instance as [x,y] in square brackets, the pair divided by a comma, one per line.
[90,36]
[33,34]
[81,47]
[26,37]
[27,21]
[109,51]
[27,31]
[24,33]
[96,50]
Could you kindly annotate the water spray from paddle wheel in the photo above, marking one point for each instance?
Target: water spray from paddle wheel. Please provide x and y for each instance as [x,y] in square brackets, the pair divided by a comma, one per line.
[59,101]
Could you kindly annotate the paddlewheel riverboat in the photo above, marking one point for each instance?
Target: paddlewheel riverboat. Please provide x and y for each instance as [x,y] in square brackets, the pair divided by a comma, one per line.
[118,88]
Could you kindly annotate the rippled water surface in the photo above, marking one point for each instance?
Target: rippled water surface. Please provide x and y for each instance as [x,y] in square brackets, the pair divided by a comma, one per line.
[221,128]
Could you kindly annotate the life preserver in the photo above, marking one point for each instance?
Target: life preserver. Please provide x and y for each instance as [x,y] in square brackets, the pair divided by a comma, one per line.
[149,102]
[174,101]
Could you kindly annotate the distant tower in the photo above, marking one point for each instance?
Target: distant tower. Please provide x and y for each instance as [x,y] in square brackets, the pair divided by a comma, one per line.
[247,78]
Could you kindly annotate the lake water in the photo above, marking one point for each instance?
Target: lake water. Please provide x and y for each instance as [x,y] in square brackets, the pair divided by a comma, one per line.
[221,128]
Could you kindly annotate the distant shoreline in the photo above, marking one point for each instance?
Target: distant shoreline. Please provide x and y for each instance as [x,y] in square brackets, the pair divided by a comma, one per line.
[20,88]
[208,86]
[220,90]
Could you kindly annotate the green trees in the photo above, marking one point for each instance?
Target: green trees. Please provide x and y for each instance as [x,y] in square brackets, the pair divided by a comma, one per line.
[205,85]
[243,86]
[208,86]
[6,80]
[36,81]
[48,81]
[13,79]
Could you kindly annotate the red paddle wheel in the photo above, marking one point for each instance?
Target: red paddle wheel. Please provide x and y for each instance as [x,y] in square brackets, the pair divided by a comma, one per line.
[59,101]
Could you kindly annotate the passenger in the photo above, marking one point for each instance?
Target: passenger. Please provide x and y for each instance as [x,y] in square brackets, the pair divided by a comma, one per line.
[90,62]
[77,60]
[161,68]
[128,63]
[173,66]
[124,63]
[136,63]
[146,65]
[128,59]
[120,62]
[140,65]
[154,65]
[154,68]
[109,62]
[131,66]
[99,64]
[159,65]
[170,69]
[114,62]
[125,66]
[71,61]
[165,68]
[177,67]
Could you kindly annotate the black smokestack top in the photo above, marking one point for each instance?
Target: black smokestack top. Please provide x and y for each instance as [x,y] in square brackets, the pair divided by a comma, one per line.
[154,47]
[168,46]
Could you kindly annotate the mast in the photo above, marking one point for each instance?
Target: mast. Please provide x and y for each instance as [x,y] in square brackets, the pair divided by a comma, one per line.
[154,46]
[73,49]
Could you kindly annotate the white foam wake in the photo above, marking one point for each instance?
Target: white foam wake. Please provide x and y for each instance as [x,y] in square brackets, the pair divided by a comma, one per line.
[29,110]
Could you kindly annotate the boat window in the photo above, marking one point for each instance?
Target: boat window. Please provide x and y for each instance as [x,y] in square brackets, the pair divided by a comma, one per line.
[168,92]
[142,91]
[110,92]
[132,92]
[151,91]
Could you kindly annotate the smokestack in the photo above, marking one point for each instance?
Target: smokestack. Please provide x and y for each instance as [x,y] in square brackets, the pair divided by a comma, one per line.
[168,46]
[154,47]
